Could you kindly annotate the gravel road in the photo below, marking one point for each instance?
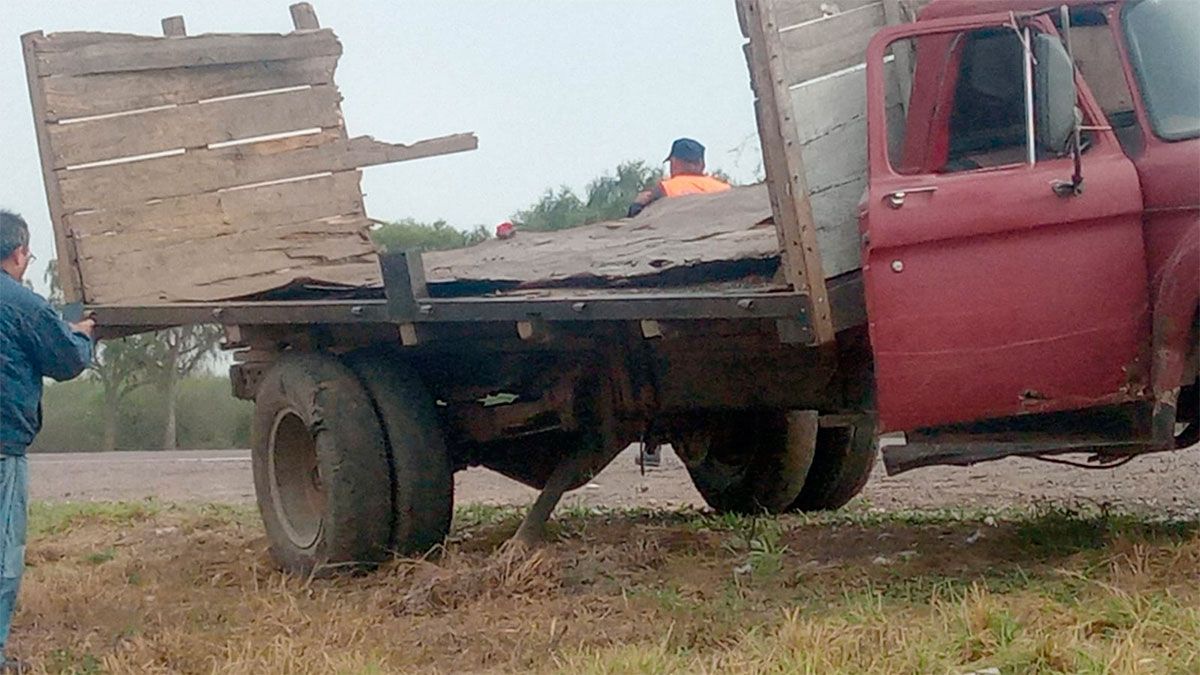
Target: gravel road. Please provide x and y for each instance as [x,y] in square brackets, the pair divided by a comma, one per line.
[1166,482]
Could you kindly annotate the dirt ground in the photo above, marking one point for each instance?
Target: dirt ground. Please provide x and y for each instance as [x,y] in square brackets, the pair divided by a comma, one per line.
[1167,483]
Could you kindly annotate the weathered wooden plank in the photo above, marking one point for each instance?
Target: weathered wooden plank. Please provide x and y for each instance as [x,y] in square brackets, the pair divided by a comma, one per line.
[208,170]
[68,268]
[67,40]
[304,17]
[111,56]
[263,204]
[836,157]
[102,94]
[1100,62]
[782,158]
[670,234]
[667,238]
[790,13]
[825,105]
[827,45]
[236,264]
[215,214]
[835,211]
[193,125]
[174,26]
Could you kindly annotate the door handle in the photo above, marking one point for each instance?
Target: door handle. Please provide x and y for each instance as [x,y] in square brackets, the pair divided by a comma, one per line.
[896,199]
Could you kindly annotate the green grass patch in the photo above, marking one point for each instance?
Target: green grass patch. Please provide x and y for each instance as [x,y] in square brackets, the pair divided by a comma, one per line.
[47,518]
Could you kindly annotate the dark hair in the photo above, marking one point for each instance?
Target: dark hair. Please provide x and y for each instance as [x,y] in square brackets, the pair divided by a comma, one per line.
[14,233]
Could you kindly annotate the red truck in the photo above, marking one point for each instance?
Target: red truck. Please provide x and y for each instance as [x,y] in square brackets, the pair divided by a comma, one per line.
[980,228]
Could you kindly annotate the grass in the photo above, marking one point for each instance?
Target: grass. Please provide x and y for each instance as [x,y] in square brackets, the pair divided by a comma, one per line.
[151,587]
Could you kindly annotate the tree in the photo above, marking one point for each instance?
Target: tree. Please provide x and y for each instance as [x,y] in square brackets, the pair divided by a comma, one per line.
[119,366]
[436,236]
[161,358]
[172,355]
[605,198]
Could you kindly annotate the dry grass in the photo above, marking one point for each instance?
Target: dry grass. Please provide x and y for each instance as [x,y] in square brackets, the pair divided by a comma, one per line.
[129,588]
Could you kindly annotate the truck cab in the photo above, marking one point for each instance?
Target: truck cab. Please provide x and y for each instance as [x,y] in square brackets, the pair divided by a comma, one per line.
[1031,228]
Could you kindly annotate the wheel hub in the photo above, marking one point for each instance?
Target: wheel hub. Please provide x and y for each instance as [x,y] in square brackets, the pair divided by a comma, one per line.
[297,490]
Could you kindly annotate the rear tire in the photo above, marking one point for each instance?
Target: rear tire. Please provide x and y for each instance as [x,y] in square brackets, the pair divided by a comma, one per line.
[841,468]
[747,467]
[422,477]
[320,465]
[743,463]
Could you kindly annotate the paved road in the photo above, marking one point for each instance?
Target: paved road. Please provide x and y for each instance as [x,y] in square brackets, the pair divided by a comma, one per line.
[1167,482]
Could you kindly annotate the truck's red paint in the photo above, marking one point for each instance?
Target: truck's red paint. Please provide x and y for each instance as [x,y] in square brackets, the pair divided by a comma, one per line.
[1169,172]
[1010,299]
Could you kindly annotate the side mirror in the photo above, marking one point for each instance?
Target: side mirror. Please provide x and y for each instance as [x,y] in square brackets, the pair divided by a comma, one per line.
[1053,93]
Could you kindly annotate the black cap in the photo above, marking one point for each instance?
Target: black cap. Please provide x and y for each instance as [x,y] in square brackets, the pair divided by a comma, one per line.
[686,149]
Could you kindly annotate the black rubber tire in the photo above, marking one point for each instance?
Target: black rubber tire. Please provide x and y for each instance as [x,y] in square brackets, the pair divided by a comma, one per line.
[744,469]
[314,419]
[841,467]
[422,476]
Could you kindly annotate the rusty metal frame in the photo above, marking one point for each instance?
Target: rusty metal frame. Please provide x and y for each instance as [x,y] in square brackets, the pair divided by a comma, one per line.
[407,302]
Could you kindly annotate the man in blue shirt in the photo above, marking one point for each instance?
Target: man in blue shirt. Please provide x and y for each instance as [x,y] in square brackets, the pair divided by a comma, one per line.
[34,343]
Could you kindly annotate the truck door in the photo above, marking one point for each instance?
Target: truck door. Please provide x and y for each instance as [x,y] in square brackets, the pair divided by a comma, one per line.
[993,287]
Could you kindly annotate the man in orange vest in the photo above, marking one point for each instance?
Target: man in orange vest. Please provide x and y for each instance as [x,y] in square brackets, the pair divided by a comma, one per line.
[687,176]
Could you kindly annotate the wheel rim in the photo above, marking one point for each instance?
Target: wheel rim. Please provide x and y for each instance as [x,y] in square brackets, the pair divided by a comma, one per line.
[297,489]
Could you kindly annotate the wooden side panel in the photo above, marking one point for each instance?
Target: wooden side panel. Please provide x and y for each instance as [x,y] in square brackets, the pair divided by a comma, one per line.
[212,214]
[203,168]
[106,93]
[782,157]
[68,269]
[193,125]
[208,170]
[821,63]
[328,250]
[831,123]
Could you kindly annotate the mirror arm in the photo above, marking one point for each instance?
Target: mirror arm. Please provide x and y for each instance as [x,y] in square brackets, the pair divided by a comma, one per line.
[1075,186]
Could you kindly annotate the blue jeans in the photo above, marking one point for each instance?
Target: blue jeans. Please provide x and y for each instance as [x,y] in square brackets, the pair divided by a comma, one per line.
[14,488]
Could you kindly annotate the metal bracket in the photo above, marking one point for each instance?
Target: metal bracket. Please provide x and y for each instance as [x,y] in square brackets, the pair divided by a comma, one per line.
[403,283]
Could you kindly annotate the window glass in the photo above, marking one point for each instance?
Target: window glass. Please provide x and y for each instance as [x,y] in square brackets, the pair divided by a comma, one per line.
[1165,52]
[965,102]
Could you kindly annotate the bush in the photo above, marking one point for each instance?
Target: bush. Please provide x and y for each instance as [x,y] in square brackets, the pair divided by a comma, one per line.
[208,415]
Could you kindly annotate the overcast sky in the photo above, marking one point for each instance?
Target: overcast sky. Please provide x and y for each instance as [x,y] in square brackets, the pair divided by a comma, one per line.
[557,91]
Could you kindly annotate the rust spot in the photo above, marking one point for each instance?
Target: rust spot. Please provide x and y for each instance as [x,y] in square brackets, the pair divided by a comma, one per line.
[1032,397]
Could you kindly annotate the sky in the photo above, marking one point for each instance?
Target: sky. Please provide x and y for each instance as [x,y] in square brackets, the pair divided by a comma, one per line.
[558,91]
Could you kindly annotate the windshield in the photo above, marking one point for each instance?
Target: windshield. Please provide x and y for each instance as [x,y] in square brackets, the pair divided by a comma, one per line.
[1165,52]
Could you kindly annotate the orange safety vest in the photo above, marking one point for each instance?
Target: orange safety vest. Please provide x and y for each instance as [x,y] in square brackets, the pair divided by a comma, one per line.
[692,185]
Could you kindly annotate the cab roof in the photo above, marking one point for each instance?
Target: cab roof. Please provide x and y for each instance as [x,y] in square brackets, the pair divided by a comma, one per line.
[942,9]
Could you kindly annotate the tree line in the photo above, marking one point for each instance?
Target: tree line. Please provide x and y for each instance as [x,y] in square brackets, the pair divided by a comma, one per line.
[162,362]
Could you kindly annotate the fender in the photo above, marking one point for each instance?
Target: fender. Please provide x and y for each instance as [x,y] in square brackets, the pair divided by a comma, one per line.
[1176,303]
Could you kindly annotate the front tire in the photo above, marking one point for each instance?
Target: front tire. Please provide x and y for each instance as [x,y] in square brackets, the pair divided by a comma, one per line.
[321,474]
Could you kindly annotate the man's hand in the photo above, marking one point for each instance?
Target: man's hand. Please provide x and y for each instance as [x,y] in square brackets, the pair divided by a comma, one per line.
[86,327]
[644,197]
